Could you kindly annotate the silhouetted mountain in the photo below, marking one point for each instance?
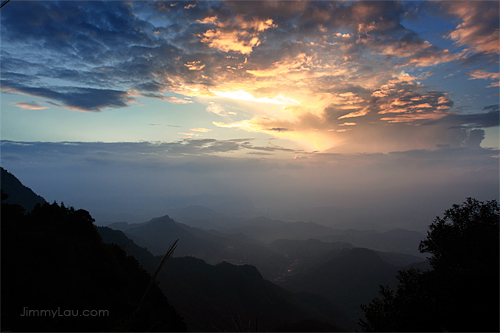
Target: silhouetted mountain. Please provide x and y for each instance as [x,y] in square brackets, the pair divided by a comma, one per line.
[226,297]
[288,230]
[333,271]
[307,255]
[294,264]
[348,278]
[397,240]
[211,246]
[54,263]
[268,230]
[346,275]
[401,259]
[145,258]
[307,249]
[341,217]
[223,295]
[122,225]
[17,192]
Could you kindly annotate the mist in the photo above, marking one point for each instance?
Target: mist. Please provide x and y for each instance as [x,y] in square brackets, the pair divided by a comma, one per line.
[136,182]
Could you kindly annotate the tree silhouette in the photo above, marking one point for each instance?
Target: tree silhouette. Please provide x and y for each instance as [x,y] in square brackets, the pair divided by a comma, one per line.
[460,292]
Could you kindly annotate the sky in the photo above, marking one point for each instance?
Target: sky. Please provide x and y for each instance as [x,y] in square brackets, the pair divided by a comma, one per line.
[126,108]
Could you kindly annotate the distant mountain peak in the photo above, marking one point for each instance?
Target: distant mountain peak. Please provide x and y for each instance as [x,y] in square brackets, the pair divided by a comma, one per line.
[165,219]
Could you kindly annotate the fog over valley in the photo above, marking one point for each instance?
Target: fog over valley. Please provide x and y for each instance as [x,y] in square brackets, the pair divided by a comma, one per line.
[134,182]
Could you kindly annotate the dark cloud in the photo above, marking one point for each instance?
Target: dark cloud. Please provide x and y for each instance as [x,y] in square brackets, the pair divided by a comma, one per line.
[259,153]
[186,147]
[84,99]
[473,120]
[494,107]
[150,86]
[475,138]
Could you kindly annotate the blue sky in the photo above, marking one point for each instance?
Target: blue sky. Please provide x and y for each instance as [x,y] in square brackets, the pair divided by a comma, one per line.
[291,88]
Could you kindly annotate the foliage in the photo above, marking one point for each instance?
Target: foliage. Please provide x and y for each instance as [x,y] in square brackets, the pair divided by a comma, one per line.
[460,292]
[53,258]
[465,234]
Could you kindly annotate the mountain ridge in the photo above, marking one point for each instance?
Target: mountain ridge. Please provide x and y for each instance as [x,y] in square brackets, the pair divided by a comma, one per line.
[17,192]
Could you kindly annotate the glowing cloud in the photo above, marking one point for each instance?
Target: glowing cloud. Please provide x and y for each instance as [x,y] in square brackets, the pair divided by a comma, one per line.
[201,129]
[244,96]
[194,65]
[479,27]
[30,105]
[481,74]
[238,35]
[176,100]
[218,110]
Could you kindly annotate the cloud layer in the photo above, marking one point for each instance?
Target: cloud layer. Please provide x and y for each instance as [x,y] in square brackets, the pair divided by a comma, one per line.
[329,75]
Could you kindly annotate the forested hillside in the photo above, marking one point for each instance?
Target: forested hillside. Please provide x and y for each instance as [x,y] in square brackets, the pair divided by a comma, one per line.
[58,275]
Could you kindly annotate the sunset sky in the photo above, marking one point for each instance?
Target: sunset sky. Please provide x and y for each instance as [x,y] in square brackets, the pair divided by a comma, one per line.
[331,103]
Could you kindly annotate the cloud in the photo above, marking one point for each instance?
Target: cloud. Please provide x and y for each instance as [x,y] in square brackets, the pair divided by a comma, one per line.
[76,98]
[307,67]
[479,27]
[238,35]
[110,151]
[30,105]
[194,65]
[475,120]
[176,100]
[388,118]
[203,130]
[218,110]
[481,74]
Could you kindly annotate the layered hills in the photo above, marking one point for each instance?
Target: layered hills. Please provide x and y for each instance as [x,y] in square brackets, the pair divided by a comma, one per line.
[227,273]
[227,297]
[344,275]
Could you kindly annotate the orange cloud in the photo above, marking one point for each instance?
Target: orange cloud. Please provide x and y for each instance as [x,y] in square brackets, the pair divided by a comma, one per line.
[194,65]
[480,74]
[238,35]
[412,117]
[201,129]
[176,100]
[30,105]
[479,27]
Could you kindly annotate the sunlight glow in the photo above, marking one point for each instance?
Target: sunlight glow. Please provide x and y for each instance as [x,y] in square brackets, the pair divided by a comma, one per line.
[244,96]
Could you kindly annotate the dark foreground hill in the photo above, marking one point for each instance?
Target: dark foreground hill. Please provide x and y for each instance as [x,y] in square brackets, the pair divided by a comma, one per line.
[17,192]
[345,275]
[228,297]
[350,277]
[58,275]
